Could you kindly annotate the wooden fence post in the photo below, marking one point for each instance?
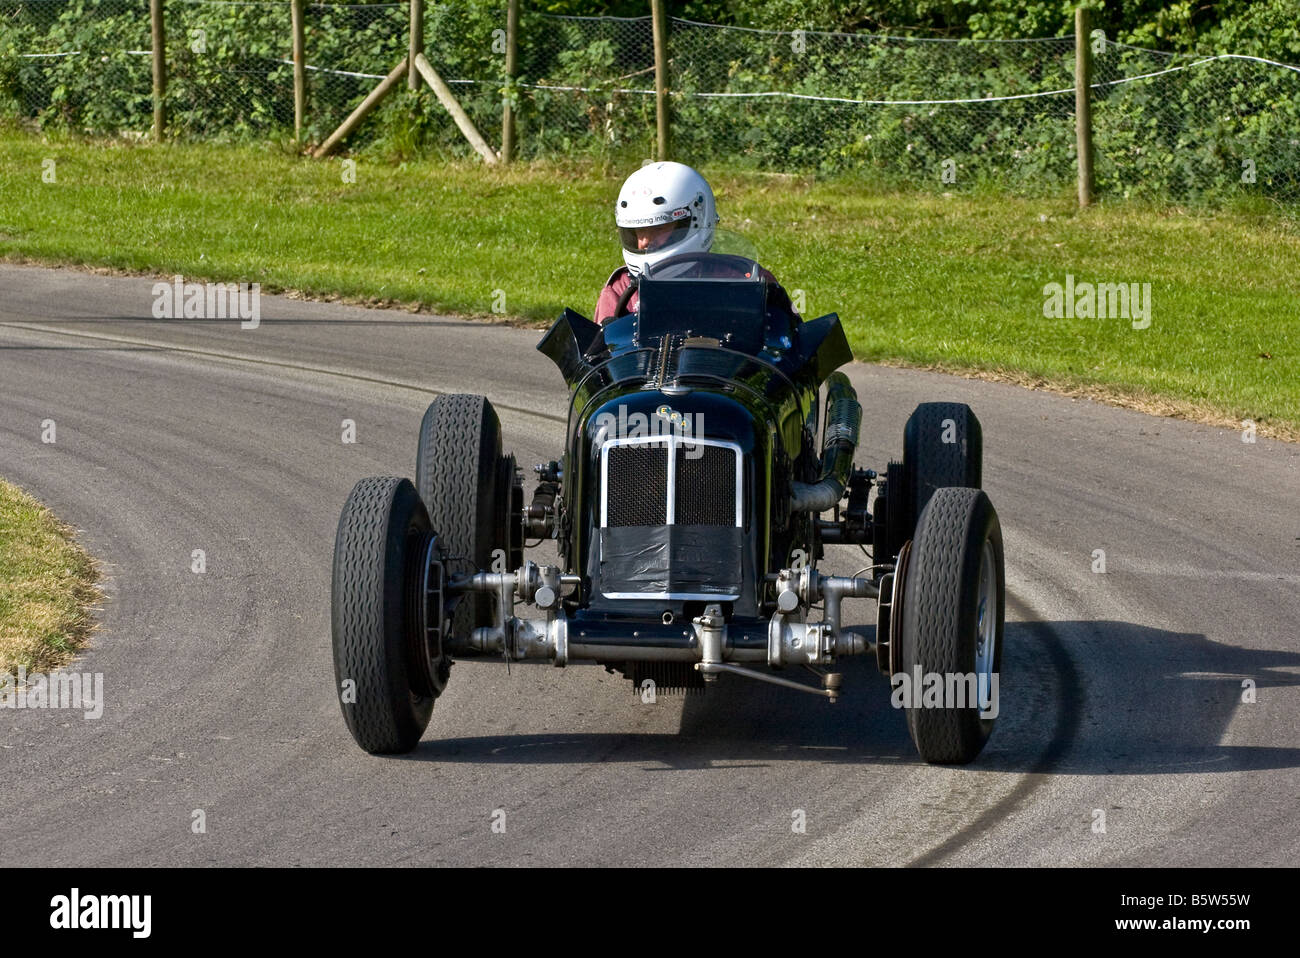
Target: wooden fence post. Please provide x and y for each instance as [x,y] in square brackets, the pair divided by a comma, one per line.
[449,103]
[659,19]
[159,68]
[1083,103]
[417,42]
[356,116]
[512,71]
[299,69]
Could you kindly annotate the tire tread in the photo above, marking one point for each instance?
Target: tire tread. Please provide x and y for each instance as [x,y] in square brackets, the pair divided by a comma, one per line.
[938,624]
[382,720]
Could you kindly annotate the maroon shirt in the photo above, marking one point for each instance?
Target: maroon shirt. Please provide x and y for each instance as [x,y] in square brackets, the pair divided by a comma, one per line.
[618,283]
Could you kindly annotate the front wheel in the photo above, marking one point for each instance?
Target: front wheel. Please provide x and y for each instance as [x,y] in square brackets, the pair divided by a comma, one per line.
[953,610]
[387,674]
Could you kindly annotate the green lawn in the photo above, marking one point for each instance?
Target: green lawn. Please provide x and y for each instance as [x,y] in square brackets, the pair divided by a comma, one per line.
[46,584]
[919,278]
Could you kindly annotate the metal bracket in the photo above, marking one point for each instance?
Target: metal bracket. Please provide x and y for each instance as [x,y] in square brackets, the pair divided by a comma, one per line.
[830,680]
[713,629]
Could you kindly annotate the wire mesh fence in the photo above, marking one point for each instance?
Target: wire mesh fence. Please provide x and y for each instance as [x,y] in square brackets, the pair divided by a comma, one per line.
[950,113]
[588,84]
[1187,126]
[77,65]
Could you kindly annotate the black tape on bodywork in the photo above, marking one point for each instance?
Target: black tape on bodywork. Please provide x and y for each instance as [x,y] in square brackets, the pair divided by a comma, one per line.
[694,560]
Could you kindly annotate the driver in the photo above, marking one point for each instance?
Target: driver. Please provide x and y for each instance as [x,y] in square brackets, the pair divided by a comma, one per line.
[663,209]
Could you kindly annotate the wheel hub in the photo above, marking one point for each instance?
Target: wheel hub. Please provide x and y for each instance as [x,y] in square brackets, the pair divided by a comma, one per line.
[986,626]
[896,611]
[425,583]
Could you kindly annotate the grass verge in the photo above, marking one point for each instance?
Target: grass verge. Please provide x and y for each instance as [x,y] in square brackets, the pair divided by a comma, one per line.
[923,278]
[47,585]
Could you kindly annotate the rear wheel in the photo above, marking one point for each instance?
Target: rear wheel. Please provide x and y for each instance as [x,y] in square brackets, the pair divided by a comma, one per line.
[943,445]
[461,477]
[952,617]
[387,675]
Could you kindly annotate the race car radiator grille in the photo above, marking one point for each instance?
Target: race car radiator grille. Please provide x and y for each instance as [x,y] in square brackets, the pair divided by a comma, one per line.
[636,485]
[671,520]
[702,490]
[706,486]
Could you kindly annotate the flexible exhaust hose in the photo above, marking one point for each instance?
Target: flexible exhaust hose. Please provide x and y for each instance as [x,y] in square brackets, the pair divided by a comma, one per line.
[843,421]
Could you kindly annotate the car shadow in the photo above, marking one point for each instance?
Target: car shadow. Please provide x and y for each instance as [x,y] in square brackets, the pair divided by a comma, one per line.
[1077,698]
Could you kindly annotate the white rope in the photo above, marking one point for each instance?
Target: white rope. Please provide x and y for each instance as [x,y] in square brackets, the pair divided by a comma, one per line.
[864,36]
[841,99]
[77,53]
[1220,56]
[344,73]
[579,89]
[363,76]
[1127,46]
[566,16]
[987,99]
[308,66]
[781,94]
[861,102]
[341,73]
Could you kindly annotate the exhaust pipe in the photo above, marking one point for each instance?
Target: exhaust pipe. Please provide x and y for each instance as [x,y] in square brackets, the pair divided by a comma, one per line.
[843,421]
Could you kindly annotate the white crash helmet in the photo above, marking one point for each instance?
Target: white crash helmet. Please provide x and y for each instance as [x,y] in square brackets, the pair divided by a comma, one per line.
[661,193]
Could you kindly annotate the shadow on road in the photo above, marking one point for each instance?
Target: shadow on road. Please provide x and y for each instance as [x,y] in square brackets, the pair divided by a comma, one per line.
[1077,698]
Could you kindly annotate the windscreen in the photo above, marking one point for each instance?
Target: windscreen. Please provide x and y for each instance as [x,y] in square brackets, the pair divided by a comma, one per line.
[732,310]
[730,256]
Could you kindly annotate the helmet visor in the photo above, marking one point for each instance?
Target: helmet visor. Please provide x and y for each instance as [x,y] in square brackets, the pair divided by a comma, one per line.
[650,239]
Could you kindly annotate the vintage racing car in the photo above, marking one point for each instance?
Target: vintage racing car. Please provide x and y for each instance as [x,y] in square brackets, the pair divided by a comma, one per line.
[702,475]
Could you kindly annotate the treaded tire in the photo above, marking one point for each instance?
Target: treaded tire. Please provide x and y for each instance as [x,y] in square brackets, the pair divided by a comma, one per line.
[458,477]
[381,535]
[940,612]
[930,463]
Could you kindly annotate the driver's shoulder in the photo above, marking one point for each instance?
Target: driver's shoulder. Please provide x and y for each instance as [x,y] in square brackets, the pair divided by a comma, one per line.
[619,275]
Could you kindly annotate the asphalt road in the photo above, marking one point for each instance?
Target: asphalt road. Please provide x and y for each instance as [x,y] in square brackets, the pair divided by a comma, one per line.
[1122,693]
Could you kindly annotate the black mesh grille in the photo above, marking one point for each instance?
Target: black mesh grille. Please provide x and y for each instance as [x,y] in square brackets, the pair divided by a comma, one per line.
[706,486]
[638,485]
